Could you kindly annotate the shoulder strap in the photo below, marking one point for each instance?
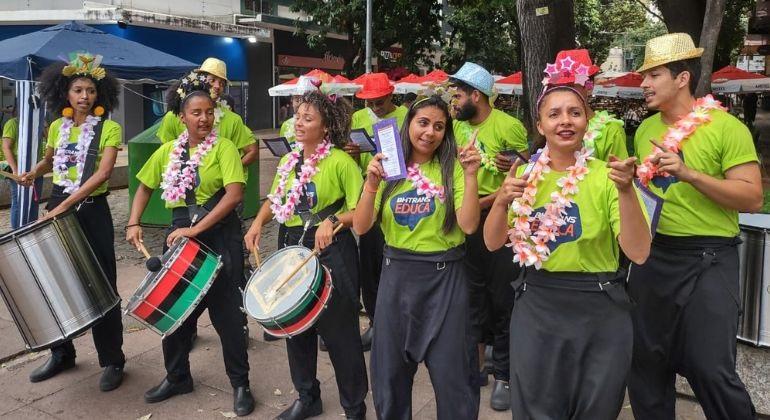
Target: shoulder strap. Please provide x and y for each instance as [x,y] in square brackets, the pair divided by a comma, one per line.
[93,152]
[189,198]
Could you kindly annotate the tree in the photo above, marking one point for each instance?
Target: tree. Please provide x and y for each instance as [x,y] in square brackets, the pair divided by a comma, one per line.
[485,32]
[413,25]
[599,22]
[547,27]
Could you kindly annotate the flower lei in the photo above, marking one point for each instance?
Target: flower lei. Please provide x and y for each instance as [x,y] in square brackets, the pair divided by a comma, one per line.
[284,210]
[62,155]
[487,162]
[423,184]
[675,135]
[595,127]
[176,181]
[532,248]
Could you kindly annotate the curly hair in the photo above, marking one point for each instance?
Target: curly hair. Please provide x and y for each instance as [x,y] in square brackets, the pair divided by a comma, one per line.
[54,89]
[335,115]
[188,84]
[446,154]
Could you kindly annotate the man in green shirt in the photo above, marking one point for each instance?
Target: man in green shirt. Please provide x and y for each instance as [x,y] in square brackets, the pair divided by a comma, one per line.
[378,93]
[686,294]
[498,137]
[287,128]
[8,162]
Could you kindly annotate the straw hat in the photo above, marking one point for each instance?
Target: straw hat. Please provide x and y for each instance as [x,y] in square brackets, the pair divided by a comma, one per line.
[215,67]
[667,49]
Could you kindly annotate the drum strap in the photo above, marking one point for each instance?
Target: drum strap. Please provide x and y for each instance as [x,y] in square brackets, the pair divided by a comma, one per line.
[93,152]
[304,206]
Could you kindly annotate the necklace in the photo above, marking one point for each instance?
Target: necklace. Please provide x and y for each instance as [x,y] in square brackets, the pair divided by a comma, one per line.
[176,181]
[423,184]
[283,202]
[62,156]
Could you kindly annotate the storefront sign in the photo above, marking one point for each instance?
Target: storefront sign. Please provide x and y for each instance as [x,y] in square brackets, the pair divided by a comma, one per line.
[329,61]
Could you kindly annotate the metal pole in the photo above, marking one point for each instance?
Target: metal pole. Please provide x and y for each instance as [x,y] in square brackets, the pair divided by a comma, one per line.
[368,36]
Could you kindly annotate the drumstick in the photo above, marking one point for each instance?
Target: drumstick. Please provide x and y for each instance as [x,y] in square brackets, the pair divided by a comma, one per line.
[302,264]
[256,257]
[11,175]
[152,263]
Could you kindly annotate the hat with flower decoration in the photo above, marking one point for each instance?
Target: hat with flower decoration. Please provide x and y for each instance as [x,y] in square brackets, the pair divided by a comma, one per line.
[84,64]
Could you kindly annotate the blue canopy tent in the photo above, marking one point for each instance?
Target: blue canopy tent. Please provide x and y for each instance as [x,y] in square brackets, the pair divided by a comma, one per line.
[23,58]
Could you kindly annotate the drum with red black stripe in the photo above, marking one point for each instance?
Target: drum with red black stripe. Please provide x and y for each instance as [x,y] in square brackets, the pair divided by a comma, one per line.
[165,299]
[284,306]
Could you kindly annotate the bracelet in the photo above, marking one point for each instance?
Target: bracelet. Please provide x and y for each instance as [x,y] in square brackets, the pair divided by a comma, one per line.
[374,191]
[125,229]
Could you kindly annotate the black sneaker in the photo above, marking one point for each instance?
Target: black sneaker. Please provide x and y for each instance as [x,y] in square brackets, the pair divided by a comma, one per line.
[111,378]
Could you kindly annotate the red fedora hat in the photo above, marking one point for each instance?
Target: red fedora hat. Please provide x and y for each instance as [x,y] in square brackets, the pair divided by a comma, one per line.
[375,85]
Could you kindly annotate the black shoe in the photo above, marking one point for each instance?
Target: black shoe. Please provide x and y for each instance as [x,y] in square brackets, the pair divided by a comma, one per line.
[483,378]
[111,378]
[243,401]
[366,338]
[166,390]
[300,410]
[269,337]
[321,344]
[501,396]
[52,367]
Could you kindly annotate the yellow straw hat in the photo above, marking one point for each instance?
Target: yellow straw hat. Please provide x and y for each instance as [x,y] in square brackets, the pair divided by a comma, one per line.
[215,66]
[667,49]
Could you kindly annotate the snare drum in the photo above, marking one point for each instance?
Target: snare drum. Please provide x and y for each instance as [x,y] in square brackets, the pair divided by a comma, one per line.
[165,299]
[754,272]
[52,282]
[294,307]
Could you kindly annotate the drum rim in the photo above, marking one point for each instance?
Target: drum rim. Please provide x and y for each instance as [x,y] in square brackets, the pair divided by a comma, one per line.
[197,301]
[316,286]
[323,302]
[33,227]
[304,296]
[298,311]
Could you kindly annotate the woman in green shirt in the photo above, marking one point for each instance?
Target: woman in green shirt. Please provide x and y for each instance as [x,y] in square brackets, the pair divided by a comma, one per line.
[571,333]
[205,212]
[330,186]
[422,300]
[81,93]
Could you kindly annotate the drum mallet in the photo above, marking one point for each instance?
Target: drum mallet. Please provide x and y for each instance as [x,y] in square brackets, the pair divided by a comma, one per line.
[14,177]
[153,263]
[302,264]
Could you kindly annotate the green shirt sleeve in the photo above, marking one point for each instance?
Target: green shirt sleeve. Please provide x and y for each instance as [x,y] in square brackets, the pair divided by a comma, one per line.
[351,181]
[459,185]
[112,135]
[151,172]
[516,136]
[613,142]
[11,129]
[614,208]
[737,144]
[230,163]
[170,127]
[53,134]
[240,135]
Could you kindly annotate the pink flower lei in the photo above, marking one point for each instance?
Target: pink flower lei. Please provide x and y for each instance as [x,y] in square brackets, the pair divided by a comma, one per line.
[284,210]
[62,155]
[532,248]
[675,135]
[176,181]
[423,184]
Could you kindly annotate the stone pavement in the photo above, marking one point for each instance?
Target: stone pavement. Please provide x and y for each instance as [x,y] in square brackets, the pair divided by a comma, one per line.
[75,394]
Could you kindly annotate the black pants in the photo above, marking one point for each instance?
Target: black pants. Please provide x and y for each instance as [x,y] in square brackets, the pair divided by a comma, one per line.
[490,274]
[423,301]
[96,220]
[370,246]
[685,322]
[223,301]
[337,325]
[570,346]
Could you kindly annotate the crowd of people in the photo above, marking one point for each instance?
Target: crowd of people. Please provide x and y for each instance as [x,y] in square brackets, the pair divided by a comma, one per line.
[541,244]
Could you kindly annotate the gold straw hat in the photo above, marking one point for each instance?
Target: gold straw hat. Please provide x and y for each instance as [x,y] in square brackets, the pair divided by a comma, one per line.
[667,49]
[214,66]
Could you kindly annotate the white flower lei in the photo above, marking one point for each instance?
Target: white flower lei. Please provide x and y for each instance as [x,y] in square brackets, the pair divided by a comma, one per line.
[283,211]
[176,181]
[62,155]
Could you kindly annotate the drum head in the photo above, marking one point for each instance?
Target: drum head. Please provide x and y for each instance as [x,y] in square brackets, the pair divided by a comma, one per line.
[264,301]
[310,317]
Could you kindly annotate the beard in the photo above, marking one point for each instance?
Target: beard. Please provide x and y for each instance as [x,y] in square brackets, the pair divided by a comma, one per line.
[466,112]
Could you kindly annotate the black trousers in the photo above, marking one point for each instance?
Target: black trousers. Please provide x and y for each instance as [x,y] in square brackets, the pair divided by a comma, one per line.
[490,274]
[223,301]
[337,325]
[423,301]
[685,322]
[370,246]
[571,346]
[96,220]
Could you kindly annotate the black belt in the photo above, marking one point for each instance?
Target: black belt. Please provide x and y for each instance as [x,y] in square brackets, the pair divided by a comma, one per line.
[613,284]
[695,244]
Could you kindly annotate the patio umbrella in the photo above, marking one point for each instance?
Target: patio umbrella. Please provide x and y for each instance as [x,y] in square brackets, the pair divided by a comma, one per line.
[731,79]
[338,84]
[510,85]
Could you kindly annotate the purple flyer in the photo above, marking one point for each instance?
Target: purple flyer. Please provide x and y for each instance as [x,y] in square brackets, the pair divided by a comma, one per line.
[388,142]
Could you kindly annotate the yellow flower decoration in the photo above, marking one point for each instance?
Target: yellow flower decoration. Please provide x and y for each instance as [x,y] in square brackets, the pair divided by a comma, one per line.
[84,64]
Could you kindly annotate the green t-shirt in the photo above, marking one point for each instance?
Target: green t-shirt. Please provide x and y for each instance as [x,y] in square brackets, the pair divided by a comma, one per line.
[287,130]
[611,142]
[365,118]
[499,132]
[588,241]
[111,137]
[338,177]
[10,131]
[220,167]
[414,222]
[712,149]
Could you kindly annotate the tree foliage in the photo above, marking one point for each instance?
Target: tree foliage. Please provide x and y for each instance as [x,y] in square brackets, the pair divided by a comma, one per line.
[599,23]
[485,32]
[413,25]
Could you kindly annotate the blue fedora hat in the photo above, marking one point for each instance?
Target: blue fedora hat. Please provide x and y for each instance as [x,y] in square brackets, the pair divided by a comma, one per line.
[476,76]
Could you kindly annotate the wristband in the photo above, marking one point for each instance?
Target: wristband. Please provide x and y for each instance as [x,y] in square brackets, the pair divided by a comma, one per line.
[374,191]
[125,229]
